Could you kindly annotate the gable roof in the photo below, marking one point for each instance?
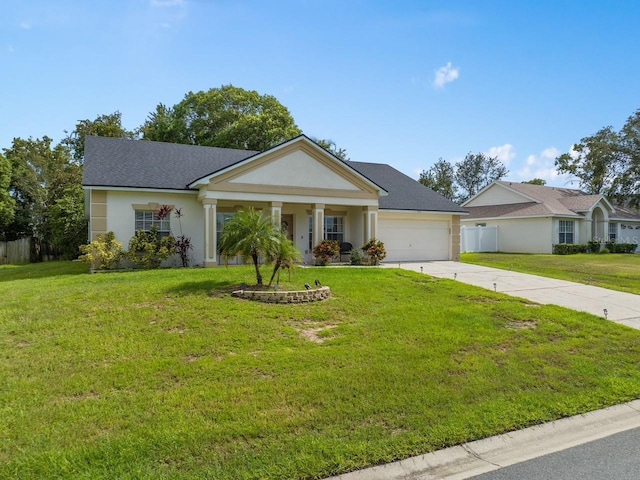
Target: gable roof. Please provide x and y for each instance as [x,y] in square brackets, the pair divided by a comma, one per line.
[122,163]
[542,201]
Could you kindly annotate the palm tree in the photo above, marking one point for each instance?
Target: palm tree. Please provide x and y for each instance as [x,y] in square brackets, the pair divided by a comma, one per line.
[249,234]
[283,254]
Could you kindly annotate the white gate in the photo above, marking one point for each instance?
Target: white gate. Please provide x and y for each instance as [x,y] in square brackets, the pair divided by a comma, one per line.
[479,239]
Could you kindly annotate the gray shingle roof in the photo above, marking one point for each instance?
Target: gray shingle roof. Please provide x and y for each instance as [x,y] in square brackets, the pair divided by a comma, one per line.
[404,192]
[117,162]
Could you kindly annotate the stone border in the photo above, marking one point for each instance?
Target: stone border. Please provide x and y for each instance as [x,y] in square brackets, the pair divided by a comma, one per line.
[274,296]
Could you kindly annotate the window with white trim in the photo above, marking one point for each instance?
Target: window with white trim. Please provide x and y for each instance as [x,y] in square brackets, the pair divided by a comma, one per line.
[613,231]
[334,228]
[221,220]
[145,219]
[565,231]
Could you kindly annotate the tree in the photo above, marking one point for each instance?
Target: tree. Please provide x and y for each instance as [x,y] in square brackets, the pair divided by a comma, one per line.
[596,162]
[536,181]
[440,178]
[7,203]
[109,125]
[41,177]
[628,184]
[250,235]
[477,171]
[228,117]
[330,146]
[282,254]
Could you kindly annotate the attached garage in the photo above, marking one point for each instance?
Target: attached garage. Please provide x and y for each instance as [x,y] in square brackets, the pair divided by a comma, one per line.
[413,238]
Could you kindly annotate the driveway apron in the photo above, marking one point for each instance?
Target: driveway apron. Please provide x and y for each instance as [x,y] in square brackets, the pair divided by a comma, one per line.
[619,307]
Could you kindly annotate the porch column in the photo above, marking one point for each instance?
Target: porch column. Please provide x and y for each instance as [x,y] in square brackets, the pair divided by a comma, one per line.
[318,224]
[370,223]
[210,234]
[276,213]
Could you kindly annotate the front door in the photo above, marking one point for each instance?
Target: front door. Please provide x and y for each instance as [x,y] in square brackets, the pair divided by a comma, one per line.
[286,224]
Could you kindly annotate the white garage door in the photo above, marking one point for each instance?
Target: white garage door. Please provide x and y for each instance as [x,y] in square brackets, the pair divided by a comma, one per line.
[414,240]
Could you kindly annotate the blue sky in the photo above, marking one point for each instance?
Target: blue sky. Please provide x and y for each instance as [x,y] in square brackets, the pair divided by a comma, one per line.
[397,82]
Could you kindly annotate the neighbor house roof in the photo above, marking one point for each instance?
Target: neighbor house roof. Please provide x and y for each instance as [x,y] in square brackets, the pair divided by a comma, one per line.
[538,200]
[122,163]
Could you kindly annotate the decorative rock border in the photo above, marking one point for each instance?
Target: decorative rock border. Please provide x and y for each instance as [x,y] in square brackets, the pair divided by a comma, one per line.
[274,296]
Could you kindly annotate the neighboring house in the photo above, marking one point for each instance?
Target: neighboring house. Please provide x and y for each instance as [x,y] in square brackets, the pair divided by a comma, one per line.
[307,190]
[532,218]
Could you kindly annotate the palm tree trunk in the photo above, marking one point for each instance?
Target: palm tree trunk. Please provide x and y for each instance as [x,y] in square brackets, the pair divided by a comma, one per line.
[254,256]
[276,266]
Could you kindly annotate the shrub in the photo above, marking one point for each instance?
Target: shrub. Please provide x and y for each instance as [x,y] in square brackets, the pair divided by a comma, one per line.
[183,243]
[594,246]
[375,250]
[149,250]
[104,253]
[621,247]
[569,248]
[325,251]
[356,257]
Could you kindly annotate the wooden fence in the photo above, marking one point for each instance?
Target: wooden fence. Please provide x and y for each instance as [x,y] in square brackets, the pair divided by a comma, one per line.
[17,251]
[26,250]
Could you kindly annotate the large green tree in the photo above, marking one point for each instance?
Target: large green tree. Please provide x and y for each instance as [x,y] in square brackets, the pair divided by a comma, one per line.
[109,125]
[41,176]
[7,203]
[628,185]
[222,117]
[331,146]
[441,178]
[477,171]
[596,162]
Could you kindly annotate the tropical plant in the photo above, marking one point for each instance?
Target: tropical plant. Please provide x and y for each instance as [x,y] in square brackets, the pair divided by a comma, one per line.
[282,254]
[104,253]
[375,250]
[356,256]
[250,235]
[149,249]
[325,251]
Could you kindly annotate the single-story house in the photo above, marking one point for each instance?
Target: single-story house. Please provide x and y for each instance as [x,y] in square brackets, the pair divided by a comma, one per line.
[532,218]
[307,190]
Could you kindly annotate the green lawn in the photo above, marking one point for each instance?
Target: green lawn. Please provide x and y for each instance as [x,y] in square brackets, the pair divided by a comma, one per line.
[162,374]
[614,271]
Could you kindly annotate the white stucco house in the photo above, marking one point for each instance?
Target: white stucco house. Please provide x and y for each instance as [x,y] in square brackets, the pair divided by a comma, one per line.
[307,190]
[532,218]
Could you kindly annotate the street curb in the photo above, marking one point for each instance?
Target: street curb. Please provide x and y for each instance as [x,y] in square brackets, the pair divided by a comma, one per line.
[481,456]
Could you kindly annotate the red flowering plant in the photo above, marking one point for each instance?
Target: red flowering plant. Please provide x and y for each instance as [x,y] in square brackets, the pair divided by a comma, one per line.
[325,251]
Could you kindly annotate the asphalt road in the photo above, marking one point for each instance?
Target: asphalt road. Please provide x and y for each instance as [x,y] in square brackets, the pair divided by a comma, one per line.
[614,457]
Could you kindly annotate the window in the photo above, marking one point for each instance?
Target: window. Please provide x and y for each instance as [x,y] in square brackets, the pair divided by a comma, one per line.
[566,231]
[613,231]
[145,219]
[221,220]
[334,228]
[310,232]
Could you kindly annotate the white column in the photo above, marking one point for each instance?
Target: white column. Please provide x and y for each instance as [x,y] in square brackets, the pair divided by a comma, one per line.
[210,240]
[318,224]
[276,213]
[370,223]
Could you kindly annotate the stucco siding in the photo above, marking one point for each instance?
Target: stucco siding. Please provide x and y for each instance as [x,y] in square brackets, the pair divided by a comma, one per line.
[121,217]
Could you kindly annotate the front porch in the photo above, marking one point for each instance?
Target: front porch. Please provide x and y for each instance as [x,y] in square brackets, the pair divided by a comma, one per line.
[305,223]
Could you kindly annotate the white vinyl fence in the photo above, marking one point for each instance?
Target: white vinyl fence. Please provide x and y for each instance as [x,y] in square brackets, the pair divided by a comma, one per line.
[479,239]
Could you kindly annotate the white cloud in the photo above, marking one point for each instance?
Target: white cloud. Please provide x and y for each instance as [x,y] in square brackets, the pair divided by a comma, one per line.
[505,153]
[25,25]
[446,74]
[543,166]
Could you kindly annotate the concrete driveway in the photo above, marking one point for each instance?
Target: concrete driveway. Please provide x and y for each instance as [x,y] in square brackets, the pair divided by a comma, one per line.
[623,308]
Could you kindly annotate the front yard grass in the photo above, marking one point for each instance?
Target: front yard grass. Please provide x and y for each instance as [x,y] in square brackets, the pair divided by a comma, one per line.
[613,271]
[162,374]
